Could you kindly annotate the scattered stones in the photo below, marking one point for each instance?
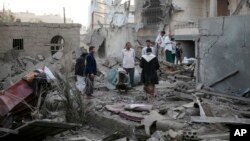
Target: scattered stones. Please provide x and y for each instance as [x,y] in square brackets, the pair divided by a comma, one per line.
[58,55]
[40,57]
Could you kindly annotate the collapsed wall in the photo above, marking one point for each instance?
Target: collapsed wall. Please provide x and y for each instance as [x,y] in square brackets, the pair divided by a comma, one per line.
[223,49]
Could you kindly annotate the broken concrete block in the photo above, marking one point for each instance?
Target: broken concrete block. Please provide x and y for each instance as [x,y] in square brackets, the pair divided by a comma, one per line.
[150,120]
[172,134]
[199,86]
[165,125]
[58,55]
[31,59]
[29,65]
[40,57]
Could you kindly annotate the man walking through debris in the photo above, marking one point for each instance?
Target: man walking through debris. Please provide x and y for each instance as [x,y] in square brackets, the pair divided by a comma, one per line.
[160,44]
[173,42]
[149,64]
[143,52]
[128,61]
[121,81]
[90,71]
[79,72]
[179,53]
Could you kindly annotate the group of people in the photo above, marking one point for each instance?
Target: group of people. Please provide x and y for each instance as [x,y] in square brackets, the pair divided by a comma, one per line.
[170,50]
[85,72]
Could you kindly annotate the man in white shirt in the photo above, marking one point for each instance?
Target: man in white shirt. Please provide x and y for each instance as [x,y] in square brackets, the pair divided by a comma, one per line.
[168,49]
[160,44]
[144,49]
[128,61]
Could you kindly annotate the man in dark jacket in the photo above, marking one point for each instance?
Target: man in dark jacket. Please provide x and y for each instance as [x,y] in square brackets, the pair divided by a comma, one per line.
[79,72]
[149,64]
[90,71]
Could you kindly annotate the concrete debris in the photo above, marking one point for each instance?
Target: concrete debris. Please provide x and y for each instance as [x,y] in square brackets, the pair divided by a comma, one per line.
[199,86]
[29,65]
[118,13]
[150,120]
[58,55]
[40,57]
[224,120]
[164,125]
[165,136]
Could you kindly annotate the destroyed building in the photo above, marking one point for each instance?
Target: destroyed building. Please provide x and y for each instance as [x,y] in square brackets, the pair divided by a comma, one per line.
[197,100]
[29,39]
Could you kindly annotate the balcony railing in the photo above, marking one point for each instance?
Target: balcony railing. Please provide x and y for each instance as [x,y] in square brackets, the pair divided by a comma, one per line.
[186,25]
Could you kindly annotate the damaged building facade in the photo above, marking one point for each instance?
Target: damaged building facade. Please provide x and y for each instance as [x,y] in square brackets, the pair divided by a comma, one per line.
[223,53]
[112,26]
[180,18]
[29,39]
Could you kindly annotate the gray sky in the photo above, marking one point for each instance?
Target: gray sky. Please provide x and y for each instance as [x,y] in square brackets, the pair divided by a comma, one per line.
[75,9]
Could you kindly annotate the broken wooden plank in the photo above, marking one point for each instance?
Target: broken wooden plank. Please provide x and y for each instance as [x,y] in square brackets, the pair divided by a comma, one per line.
[239,7]
[225,95]
[224,78]
[6,130]
[225,120]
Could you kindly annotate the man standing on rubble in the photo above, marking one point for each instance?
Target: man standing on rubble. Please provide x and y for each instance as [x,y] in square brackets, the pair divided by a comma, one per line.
[143,52]
[179,53]
[160,43]
[128,61]
[79,72]
[149,64]
[90,71]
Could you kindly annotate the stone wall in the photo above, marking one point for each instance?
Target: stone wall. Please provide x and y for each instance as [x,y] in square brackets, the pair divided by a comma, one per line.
[224,48]
[37,37]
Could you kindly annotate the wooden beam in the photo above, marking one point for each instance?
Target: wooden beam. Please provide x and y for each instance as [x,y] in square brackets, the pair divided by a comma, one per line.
[224,78]
[7,130]
[225,95]
[224,120]
[239,7]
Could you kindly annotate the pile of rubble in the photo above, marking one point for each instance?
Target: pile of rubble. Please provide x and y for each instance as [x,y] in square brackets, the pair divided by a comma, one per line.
[181,110]
[47,108]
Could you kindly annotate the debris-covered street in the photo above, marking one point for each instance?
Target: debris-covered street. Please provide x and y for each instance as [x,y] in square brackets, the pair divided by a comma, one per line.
[139,70]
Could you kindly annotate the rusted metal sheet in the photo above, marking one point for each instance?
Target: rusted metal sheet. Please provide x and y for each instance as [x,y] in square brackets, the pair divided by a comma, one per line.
[14,95]
[38,129]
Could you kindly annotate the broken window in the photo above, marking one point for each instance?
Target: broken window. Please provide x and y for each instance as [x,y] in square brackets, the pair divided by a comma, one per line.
[18,44]
[54,49]
[152,12]
[57,43]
